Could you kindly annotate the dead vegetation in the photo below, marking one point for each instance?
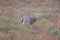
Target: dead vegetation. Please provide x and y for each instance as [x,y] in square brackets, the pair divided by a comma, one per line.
[12,10]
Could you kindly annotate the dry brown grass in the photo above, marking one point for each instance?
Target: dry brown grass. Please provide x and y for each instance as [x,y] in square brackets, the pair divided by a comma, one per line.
[12,10]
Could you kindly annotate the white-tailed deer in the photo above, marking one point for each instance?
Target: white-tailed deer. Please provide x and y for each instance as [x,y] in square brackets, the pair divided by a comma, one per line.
[30,19]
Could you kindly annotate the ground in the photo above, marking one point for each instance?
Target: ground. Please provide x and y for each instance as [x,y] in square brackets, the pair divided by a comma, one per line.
[12,10]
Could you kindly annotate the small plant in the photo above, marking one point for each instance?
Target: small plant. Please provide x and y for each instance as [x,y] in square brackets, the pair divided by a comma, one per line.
[54,31]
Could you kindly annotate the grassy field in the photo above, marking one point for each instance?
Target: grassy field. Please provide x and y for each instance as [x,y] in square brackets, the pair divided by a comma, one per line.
[12,10]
